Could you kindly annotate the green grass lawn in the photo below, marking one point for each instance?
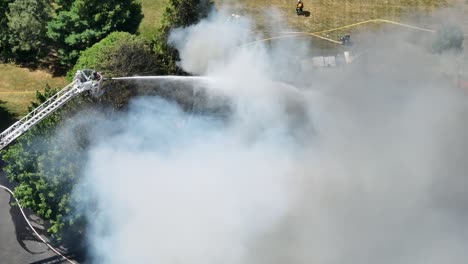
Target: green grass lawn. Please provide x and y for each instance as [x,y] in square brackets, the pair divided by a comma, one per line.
[327,14]
[153,11]
[18,86]
[324,14]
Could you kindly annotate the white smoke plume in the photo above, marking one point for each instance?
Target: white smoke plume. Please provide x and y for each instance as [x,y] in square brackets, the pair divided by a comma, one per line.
[365,164]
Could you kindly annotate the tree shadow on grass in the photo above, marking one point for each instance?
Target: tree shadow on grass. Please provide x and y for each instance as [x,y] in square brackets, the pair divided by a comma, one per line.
[7,118]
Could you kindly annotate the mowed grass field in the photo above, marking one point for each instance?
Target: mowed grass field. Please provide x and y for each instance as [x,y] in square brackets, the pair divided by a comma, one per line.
[152,11]
[327,14]
[18,85]
[276,15]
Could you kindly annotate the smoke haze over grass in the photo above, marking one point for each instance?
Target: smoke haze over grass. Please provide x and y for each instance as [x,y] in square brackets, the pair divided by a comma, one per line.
[365,164]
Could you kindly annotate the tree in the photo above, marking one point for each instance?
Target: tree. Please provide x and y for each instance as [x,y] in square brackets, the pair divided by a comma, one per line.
[63,4]
[27,22]
[119,54]
[7,118]
[4,36]
[89,21]
[179,13]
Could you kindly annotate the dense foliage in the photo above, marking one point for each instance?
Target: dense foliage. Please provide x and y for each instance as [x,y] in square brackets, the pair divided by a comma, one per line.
[32,31]
[88,21]
[4,36]
[119,54]
[27,34]
[64,4]
[6,117]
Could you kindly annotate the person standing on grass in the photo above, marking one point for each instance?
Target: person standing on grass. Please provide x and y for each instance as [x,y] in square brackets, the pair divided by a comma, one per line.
[299,7]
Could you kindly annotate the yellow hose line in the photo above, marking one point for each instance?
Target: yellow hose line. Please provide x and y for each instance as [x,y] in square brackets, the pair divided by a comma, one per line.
[405,25]
[299,34]
[324,38]
[315,34]
[376,21]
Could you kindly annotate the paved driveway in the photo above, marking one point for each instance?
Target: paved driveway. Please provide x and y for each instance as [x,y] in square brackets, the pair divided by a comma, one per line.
[17,243]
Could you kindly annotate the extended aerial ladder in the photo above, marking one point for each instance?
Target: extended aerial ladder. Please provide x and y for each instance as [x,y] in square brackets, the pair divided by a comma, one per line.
[84,80]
